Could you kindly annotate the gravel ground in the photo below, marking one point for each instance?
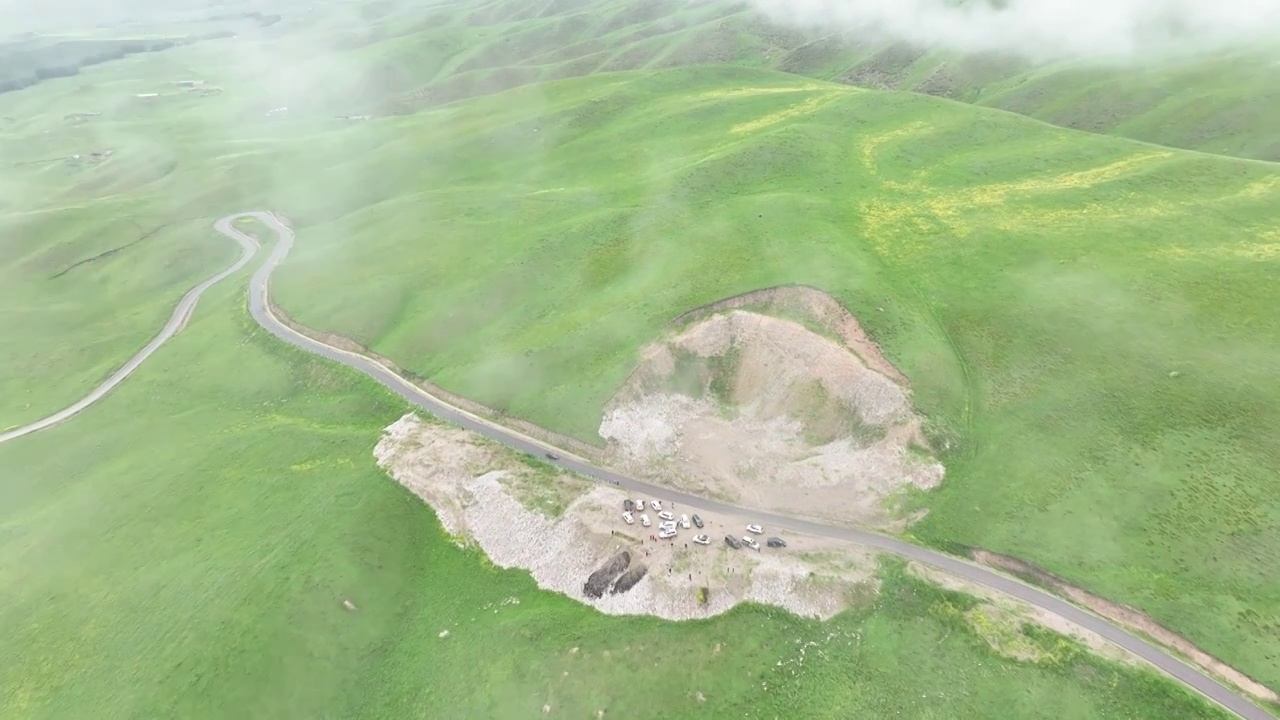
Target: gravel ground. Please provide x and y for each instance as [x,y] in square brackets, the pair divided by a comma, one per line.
[467,482]
[788,384]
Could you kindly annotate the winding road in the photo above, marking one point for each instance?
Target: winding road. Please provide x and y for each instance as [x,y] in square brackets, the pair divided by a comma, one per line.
[1171,665]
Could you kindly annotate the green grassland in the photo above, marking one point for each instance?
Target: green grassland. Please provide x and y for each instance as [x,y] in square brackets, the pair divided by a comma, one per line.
[425,57]
[1088,320]
[184,550]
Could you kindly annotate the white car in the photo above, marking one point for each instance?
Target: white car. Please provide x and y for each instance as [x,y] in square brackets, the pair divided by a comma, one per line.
[644,520]
[684,521]
[663,535]
[631,519]
[702,539]
[755,529]
[750,542]
[655,504]
[640,505]
[666,515]
[667,526]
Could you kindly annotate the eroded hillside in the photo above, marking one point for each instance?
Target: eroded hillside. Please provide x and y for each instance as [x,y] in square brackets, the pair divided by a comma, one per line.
[802,415]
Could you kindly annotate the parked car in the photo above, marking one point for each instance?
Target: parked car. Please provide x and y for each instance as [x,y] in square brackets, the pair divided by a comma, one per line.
[732,542]
[697,520]
[684,521]
[776,542]
[755,529]
[629,518]
[640,505]
[664,534]
[667,526]
[628,505]
[666,515]
[644,520]
[552,456]
[655,504]
[702,539]
[750,542]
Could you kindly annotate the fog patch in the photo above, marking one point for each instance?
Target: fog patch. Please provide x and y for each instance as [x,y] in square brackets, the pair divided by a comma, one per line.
[1111,30]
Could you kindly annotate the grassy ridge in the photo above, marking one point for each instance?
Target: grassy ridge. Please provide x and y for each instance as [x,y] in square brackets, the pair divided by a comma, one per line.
[1218,105]
[209,563]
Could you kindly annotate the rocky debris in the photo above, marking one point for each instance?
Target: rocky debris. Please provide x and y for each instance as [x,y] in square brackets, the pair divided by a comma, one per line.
[601,579]
[629,579]
[766,411]
[466,481]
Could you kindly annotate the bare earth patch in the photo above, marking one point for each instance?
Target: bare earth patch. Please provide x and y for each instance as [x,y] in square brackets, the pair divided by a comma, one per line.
[562,529]
[476,488]
[799,416]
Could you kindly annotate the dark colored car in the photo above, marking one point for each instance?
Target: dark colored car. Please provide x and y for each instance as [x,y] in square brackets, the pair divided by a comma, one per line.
[732,542]
[697,519]
[628,505]
[776,542]
[552,456]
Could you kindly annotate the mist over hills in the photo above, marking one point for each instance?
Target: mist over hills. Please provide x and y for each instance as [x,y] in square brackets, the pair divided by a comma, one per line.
[1113,31]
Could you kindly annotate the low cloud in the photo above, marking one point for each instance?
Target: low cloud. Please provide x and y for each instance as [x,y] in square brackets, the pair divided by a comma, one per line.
[1048,29]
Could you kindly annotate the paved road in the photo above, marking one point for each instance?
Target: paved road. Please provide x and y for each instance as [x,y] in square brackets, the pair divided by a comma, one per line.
[1171,665]
[258,290]
[177,321]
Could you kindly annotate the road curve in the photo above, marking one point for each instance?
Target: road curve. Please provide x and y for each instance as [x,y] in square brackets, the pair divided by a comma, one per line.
[1176,668]
[259,308]
[178,320]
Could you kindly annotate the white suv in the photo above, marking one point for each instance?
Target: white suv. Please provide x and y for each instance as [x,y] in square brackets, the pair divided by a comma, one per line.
[684,521]
[750,542]
[668,533]
[631,520]
[644,519]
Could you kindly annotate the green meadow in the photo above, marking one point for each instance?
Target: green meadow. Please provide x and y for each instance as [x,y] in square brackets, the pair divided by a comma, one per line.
[1087,321]
[199,531]
[405,58]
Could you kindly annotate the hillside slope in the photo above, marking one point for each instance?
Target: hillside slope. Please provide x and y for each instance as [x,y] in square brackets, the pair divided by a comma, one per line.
[1087,321]
[217,532]
[421,58]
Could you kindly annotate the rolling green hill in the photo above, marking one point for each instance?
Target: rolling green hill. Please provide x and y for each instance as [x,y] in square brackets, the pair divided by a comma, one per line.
[199,530]
[1088,320]
[422,58]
